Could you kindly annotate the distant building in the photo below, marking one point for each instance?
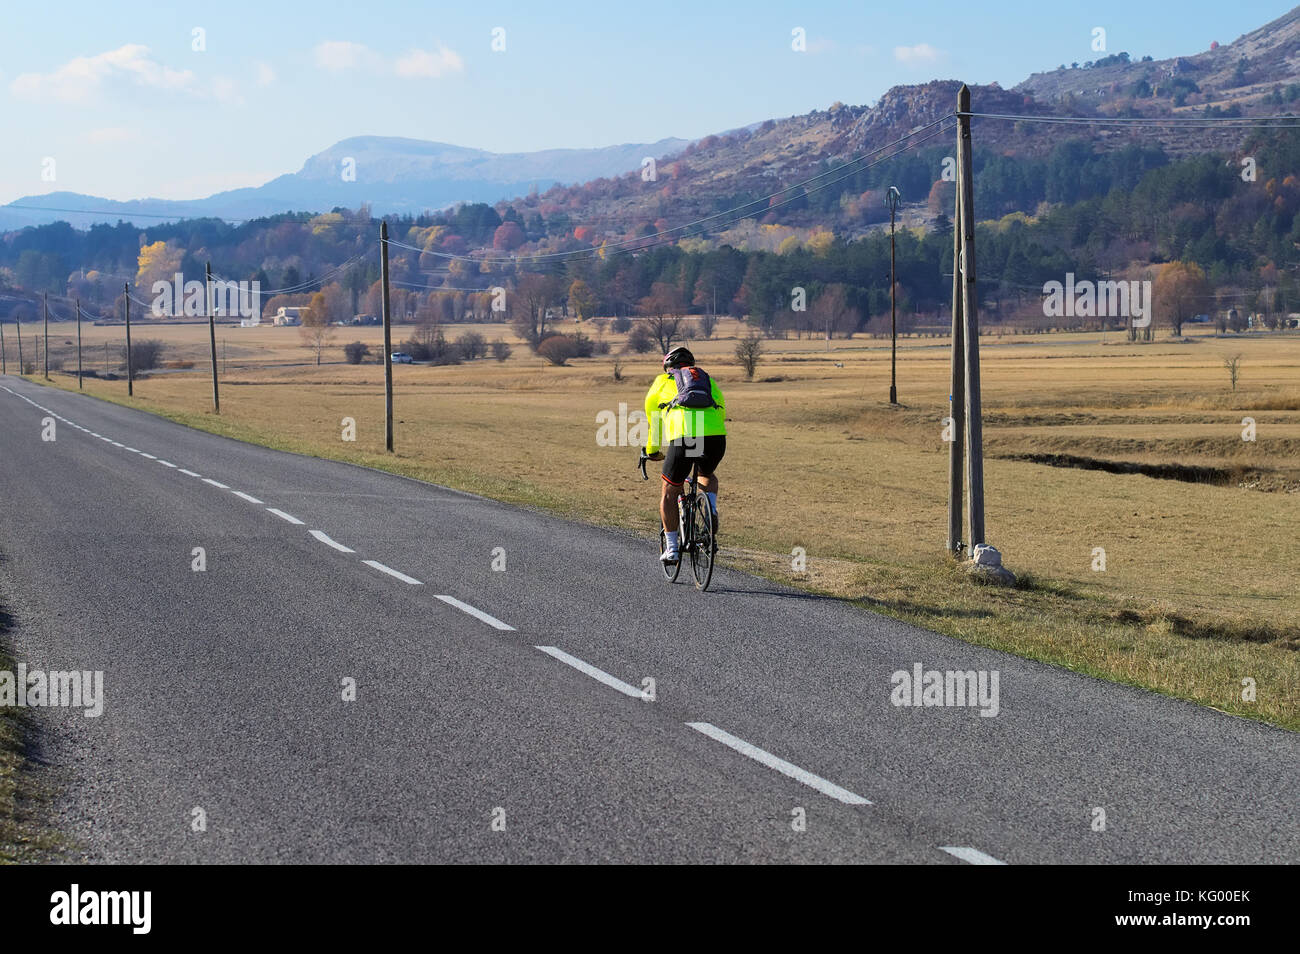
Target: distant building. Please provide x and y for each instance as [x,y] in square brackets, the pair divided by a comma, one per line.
[288,315]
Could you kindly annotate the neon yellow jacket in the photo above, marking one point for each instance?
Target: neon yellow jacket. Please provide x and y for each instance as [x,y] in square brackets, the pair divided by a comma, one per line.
[681,421]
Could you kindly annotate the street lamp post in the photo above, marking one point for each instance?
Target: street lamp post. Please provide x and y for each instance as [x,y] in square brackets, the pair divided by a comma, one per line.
[892,198]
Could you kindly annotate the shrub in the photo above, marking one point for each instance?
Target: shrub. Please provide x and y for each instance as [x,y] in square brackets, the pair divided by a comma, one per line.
[707,324]
[145,355]
[472,345]
[356,351]
[621,325]
[558,349]
[500,350]
[639,340]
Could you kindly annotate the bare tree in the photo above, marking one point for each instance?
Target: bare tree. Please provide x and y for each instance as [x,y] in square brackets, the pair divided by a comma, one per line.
[527,304]
[663,309]
[1233,365]
[832,312]
[749,350]
[316,330]
[708,322]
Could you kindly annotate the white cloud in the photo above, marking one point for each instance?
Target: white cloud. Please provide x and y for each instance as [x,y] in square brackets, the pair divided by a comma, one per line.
[265,75]
[337,55]
[913,55]
[107,134]
[429,64]
[81,79]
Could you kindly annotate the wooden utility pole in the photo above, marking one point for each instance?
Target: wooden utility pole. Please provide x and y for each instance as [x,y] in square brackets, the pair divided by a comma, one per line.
[78,301]
[130,368]
[212,335]
[970,329]
[45,333]
[388,339]
[956,396]
[892,197]
[18,323]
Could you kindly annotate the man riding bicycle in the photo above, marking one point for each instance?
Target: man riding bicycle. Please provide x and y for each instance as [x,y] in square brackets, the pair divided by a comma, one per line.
[687,412]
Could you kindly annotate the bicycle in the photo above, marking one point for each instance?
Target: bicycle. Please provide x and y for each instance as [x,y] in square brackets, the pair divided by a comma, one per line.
[695,536]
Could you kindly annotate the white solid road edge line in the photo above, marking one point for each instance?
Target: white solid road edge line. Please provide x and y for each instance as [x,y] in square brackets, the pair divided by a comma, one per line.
[389,570]
[781,765]
[476,613]
[243,496]
[325,539]
[279,513]
[971,856]
[593,672]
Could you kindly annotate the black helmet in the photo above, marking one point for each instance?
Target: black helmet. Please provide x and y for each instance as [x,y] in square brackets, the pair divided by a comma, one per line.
[678,358]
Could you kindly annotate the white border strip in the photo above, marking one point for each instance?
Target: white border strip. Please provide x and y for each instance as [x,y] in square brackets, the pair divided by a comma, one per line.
[243,496]
[781,765]
[285,516]
[593,672]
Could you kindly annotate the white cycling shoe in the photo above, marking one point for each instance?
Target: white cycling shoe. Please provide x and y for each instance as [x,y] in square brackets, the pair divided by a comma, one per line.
[670,556]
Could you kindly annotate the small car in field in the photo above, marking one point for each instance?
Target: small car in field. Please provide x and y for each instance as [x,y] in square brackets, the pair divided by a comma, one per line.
[401,357]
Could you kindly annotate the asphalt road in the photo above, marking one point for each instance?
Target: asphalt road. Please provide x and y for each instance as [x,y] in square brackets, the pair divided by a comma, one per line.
[224,688]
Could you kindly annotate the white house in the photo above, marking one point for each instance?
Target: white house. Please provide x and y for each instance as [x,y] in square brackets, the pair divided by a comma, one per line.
[288,315]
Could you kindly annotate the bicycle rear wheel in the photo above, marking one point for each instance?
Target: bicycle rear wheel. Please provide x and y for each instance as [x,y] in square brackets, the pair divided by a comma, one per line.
[703,546]
[670,569]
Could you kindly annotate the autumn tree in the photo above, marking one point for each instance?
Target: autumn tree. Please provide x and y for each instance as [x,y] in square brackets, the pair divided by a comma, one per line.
[1179,292]
[158,262]
[581,299]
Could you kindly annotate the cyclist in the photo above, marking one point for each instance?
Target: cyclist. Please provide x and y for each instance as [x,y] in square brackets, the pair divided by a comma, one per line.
[687,412]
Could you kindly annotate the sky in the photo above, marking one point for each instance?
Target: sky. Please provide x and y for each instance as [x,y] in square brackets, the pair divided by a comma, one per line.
[140,100]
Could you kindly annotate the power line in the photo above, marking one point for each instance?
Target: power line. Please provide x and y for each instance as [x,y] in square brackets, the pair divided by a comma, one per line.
[641,243]
[288,290]
[1177,122]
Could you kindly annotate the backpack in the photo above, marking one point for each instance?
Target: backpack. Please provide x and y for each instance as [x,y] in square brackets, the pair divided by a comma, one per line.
[694,389]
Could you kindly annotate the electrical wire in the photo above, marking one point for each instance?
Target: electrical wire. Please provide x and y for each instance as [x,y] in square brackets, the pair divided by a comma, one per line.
[642,243]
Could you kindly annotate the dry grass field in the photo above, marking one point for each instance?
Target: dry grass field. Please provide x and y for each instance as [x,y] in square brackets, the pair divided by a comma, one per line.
[1199,589]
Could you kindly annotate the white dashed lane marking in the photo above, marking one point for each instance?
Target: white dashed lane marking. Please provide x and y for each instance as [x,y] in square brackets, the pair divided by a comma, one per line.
[285,516]
[249,497]
[781,765]
[216,483]
[476,613]
[598,674]
[971,856]
[325,539]
[391,572]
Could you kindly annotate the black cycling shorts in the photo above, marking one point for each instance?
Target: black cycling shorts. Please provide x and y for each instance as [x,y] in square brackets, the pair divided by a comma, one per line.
[681,454]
